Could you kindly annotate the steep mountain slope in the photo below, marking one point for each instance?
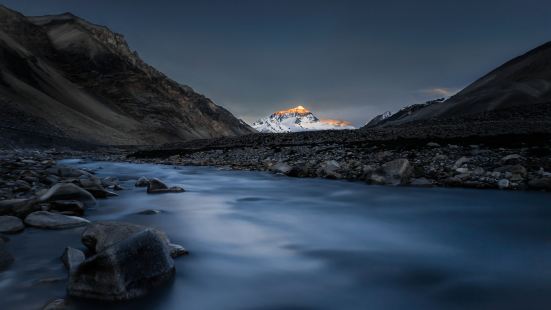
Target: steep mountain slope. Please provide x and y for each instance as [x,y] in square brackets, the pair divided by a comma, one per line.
[297,119]
[63,76]
[522,84]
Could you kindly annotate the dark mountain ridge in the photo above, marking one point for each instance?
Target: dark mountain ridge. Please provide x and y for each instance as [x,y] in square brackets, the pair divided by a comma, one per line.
[522,85]
[63,76]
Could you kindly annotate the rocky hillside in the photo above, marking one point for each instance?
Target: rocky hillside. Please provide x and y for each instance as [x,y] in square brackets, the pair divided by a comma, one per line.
[522,87]
[64,77]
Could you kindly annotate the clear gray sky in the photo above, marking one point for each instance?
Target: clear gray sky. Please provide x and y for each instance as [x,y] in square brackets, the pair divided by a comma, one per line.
[341,59]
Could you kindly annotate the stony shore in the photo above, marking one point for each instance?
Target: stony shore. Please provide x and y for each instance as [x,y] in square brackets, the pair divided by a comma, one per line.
[37,193]
[506,162]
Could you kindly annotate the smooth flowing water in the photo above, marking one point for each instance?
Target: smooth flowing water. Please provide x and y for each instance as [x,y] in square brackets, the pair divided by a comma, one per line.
[261,241]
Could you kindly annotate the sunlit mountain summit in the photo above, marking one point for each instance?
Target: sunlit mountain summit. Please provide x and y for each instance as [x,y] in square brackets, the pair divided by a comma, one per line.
[297,119]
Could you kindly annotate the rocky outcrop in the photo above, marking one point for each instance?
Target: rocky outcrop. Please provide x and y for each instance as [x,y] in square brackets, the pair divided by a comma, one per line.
[127,269]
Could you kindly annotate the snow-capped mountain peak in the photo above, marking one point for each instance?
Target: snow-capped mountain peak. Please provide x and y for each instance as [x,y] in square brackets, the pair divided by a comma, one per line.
[297,119]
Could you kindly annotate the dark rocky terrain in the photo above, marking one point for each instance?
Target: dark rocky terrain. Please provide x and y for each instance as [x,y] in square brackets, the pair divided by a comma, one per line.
[63,78]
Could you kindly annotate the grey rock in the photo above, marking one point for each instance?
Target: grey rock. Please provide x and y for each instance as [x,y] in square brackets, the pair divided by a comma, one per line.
[282,168]
[126,270]
[71,206]
[394,172]
[67,172]
[18,207]
[68,191]
[177,250]
[72,258]
[512,158]
[142,182]
[49,220]
[460,162]
[156,186]
[10,224]
[503,183]
[101,235]
[329,169]
[94,187]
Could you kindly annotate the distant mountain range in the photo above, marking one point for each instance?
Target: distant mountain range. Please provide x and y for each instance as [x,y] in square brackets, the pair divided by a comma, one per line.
[62,76]
[297,119]
[519,90]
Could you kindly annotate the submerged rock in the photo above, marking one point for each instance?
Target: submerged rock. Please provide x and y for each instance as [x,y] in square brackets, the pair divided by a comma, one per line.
[156,186]
[68,191]
[125,270]
[49,220]
[10,224]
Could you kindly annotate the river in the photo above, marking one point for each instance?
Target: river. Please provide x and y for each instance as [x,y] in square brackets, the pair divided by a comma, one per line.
[262,241]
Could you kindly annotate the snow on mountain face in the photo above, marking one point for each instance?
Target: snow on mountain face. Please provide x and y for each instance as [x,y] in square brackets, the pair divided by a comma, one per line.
[297,119]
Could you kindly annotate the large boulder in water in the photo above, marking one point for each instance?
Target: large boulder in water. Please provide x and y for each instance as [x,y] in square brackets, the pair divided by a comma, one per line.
[48,220]
[125,270]
[99,236]
[68,191]
[398,171]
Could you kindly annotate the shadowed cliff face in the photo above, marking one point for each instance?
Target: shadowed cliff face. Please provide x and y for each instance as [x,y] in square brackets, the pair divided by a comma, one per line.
[63,76]
[520,87]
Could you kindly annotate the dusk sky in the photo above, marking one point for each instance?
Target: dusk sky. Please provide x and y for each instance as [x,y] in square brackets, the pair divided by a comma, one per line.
[341,59]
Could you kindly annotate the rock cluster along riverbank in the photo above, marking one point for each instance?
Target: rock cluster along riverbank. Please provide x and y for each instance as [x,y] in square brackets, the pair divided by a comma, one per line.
[119,261]
[515,166]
